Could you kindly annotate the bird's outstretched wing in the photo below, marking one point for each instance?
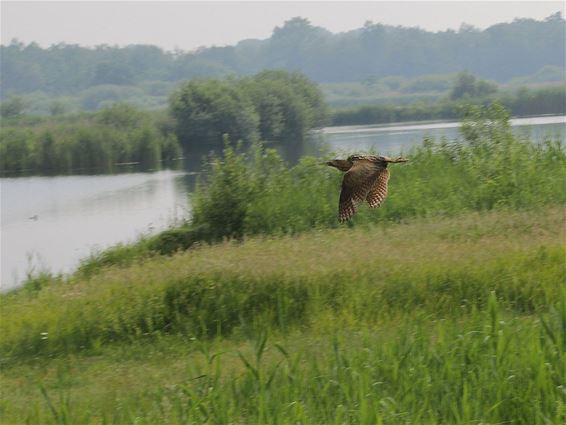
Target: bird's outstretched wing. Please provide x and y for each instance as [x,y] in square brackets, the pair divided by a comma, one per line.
[357,183]
[378,192]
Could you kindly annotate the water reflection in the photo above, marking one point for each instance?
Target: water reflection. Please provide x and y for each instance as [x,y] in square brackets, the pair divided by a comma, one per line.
[75,215]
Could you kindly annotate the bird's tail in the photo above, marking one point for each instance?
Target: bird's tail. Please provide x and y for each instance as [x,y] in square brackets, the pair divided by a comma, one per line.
[398,159]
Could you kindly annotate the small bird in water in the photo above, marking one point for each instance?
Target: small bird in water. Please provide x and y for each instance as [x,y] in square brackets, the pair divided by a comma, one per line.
[365,179]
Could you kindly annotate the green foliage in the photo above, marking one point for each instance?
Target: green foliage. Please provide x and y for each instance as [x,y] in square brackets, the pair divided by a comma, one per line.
[428,83]
[121,115]
[273,105]
[522,102]
[288,105]
[100,96]
[203,301]
[91,143]
[545,100]
[57,108]
[255,193]
[15,150]
[500,52]
[548,73]
[459,321]
[12,108]
[466,85]
[206,110]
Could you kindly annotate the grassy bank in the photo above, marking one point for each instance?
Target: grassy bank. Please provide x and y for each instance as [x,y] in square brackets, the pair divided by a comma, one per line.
[435,320]
[246,193]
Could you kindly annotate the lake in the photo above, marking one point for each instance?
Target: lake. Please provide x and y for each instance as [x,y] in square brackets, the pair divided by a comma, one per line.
[51,223]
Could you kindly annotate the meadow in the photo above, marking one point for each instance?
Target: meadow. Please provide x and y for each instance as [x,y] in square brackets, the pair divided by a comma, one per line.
[446,305]
[456,320]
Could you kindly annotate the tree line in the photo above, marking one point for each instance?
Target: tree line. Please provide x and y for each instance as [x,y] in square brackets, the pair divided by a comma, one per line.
[500,52]
[466,90]
[272,106]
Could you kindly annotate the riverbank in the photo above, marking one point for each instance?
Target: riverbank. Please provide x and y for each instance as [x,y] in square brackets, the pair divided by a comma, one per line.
[511,165]
[433,320]
[445,305]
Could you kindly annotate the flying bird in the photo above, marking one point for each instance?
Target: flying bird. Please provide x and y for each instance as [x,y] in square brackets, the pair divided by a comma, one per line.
[365,180]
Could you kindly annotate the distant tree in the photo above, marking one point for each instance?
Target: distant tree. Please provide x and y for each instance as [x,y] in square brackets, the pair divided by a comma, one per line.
[57,108]
[467,85]
[13,107]
[428,83]
[555,17]
[484,88]
[288,104]
[149,149]
[206,110]
[121,115]
[112,73]
[47,156]
[15,151]
[500,52]
[392,82]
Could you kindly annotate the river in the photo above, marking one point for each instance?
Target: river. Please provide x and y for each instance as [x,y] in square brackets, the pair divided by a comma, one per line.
[51,223]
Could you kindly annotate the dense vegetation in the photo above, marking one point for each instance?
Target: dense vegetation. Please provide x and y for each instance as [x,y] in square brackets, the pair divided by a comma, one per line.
[275,106]
[254,192]
[520,102]
[459,321]
[500,52]
[446,305]
[119,134]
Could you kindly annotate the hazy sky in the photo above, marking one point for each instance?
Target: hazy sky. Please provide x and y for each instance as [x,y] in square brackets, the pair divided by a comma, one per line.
[188,25]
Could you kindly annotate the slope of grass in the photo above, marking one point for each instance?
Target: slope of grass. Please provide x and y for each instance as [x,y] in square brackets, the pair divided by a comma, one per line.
[454,321]
[256,193]
[447,305]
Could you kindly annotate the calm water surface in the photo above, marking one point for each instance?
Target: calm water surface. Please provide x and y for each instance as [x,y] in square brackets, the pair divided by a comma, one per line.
[51,223]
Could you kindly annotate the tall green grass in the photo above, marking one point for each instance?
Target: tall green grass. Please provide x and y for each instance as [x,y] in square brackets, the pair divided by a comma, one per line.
[453,320]
[216,292]
[255,193]
[91,143]
[488,368]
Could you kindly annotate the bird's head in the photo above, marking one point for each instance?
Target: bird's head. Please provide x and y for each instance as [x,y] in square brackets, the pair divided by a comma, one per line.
[341,164]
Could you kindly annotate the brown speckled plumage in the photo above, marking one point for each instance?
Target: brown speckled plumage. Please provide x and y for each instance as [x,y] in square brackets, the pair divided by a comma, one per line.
[365,180]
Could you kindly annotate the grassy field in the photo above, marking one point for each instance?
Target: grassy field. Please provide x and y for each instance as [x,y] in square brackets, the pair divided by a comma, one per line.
[459,320]
[445,306]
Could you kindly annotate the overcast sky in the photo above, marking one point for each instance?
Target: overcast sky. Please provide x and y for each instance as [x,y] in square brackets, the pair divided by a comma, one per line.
[188,25]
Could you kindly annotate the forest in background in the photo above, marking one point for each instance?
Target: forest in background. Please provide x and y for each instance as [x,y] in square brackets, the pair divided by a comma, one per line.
[382,62]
